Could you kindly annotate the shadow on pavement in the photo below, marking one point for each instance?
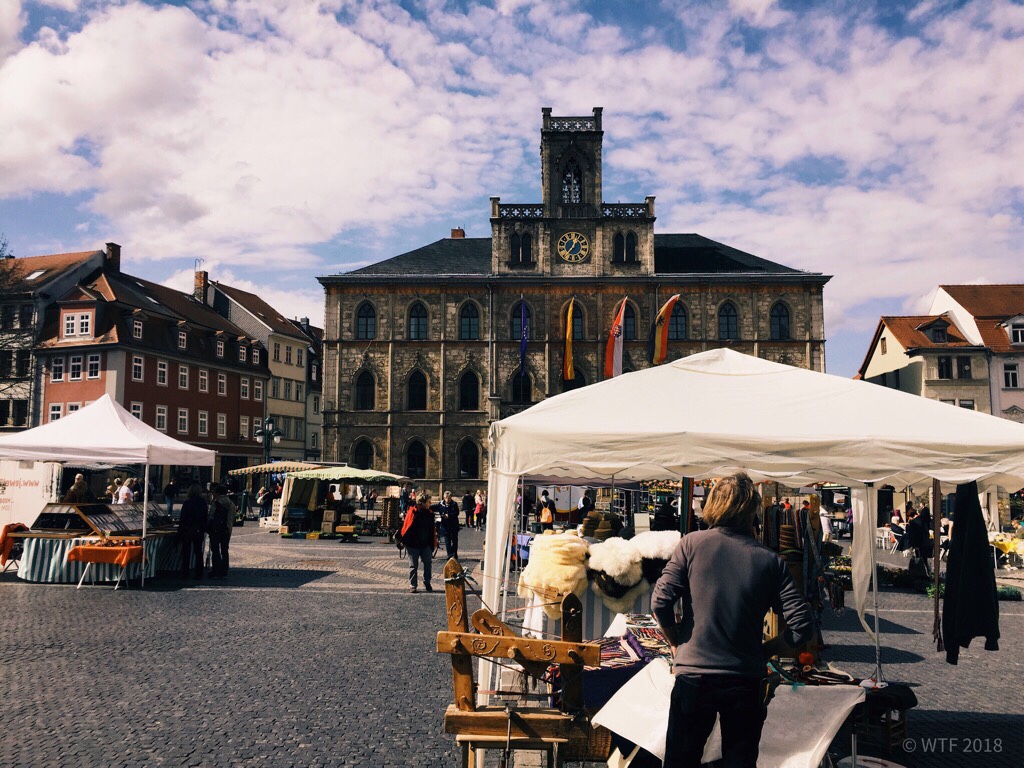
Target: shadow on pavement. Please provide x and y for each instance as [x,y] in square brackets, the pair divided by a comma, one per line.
[240,578]
[866,654]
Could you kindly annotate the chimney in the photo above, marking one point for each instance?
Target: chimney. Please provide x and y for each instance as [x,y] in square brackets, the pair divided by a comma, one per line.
[112,261]
[201,282]
[304,322]
[458,234]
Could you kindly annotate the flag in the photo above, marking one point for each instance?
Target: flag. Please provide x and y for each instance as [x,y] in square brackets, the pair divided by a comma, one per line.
[659,331]
[613,351]
[568,371]
[524,332]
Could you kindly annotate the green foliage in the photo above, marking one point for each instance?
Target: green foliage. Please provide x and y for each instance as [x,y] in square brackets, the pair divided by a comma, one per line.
[1011,594]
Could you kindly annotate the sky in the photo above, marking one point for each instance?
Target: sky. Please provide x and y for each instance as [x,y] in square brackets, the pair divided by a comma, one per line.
[277,140]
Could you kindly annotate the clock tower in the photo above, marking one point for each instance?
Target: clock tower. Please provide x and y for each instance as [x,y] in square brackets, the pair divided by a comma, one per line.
[572,232]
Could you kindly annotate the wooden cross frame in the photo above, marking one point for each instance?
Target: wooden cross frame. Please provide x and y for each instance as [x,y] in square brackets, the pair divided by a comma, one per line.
[531,728]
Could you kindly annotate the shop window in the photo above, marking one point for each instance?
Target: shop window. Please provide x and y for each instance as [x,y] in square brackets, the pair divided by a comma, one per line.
[366,389]
[629,323]
[728,322]
[469,392]
[520,325]
[677,323]
[469,460]
[366,321]
[362,455]
[417,392]
[469,322]
[416,460]
[417,322]
[522,388]
[780,322]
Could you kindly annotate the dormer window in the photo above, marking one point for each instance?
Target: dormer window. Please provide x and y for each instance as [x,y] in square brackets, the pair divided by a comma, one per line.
[77,324]
[938,334]
[220,348]
[182,340]
[136,329]
[255,357]
[243,353]
[1017,333]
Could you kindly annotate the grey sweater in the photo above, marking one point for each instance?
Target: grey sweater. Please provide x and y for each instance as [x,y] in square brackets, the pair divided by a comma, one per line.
[726,582]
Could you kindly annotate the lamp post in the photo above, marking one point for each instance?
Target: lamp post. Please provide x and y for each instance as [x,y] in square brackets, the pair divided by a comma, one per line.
[267,435]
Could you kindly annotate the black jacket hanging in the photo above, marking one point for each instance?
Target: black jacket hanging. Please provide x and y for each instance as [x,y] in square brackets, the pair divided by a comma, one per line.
[970,607]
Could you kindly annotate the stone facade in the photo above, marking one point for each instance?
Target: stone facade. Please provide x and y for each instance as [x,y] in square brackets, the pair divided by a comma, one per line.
[458,279]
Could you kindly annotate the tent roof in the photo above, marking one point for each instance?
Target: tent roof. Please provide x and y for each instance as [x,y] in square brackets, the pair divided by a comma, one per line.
[720,411]
[102,431]
[351,474]
[275,467]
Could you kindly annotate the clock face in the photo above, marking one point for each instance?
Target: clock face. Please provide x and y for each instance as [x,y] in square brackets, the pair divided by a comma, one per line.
[573,247]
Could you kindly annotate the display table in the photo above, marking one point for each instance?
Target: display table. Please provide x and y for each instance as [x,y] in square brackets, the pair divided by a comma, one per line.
[802,720]
[45,559]
[91,554]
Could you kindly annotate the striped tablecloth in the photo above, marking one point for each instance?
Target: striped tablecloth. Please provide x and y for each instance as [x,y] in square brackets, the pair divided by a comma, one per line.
[46,560]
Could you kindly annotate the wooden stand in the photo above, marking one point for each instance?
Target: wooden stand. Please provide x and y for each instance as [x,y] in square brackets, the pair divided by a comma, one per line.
[506,727]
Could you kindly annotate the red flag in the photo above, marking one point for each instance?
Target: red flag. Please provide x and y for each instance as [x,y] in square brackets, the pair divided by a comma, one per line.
[613,351]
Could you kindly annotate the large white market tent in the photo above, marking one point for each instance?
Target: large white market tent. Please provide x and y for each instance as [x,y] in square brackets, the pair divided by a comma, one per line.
[720,411]
[103,431]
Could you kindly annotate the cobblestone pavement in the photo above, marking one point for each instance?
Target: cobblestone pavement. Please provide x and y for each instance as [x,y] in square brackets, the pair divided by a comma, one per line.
[315,654]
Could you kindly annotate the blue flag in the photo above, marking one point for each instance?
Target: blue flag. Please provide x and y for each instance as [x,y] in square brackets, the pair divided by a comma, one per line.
[524,332]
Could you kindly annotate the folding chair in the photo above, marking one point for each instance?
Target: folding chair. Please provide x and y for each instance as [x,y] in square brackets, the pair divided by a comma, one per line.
[14,558]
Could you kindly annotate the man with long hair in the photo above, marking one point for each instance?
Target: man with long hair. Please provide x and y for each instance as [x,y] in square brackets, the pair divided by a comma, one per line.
[725,583]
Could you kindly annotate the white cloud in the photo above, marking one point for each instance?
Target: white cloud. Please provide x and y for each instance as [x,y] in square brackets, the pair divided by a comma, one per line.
[12,22]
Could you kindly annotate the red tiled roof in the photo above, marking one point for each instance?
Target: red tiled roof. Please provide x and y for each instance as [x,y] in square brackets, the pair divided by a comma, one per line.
[1000,301]
[908,330]
[52,265]
[263,311]
[995,336]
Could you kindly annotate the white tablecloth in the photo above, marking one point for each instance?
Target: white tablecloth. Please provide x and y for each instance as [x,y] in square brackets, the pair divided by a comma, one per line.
[802,720]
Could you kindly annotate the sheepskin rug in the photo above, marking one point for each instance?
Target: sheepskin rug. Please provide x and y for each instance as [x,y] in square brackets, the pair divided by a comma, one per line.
[655,548]
[618,576]
[557,567]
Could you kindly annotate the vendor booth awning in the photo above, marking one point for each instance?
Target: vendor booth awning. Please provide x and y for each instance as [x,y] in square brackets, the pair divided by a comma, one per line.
[275,467]
[102,432]
[351,475]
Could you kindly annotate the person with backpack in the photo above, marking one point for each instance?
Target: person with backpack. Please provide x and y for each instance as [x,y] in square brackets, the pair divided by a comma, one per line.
[222,519]
[192,531]
[546,512]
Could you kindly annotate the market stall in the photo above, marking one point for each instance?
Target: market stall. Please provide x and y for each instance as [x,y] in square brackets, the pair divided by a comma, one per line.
[102,431]
[720,411]
[309,510]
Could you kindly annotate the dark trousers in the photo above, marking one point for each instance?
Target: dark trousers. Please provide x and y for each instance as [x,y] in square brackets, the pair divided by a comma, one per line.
[451,544]
[192,546]
[219,553]
[696,699]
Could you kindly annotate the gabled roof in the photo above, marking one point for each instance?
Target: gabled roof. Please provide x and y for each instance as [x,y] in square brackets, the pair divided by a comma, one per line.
[1001,301]
[257,307]
[52,266]
[909,331]
[673,254]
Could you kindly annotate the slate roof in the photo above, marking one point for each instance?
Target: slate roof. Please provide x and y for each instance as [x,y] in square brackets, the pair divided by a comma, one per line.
[673,254]
[258,307]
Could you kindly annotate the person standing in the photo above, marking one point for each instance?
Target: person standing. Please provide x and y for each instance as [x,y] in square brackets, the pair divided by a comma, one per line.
[192,530]
[546,512]
[726,582]
[169,497]
[450,524]
[420,539]
[469,508]
[222,519]
[79,492]
[124,493]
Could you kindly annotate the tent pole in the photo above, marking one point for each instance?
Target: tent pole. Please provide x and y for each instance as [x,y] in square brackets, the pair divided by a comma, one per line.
[145,517]
[936,503]
[872,504]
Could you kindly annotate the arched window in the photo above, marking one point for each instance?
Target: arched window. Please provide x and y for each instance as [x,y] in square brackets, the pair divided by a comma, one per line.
[780,322]
[417,321]
[728,322]
[416,460]
[572,183]
[677,323]
[520,317]
[631,247]
[366,321]
[522,387]
[362,455]
[520,248]
[366,391]
[469,322]
[629,323]
[417,392]
[469,460]
[618,247]
[469,392]
[577,321]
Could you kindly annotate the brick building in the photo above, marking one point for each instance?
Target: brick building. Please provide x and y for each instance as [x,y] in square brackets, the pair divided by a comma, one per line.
[422,350]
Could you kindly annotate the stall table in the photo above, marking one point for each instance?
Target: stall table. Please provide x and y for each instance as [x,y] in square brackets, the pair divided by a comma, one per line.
[120,555]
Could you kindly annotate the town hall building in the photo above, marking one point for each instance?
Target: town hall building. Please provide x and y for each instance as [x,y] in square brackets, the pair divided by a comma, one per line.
[423,351]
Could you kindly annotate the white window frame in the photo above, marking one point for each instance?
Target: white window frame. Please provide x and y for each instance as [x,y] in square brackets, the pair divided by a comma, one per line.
[220,348]
[55,408]
[85,324]
[70,323]
[243,354]
[183,376]
[136,329]
[222,425]
[136,409]
[288,354]
[182,340]
[316,403]
[257,390]
[204,380]
[183,418]
[1011,376]
[203,423]
[72,407]
[57,368]
[161,372]
[244,387]
[142,367]
[243,423]
[255,356]
[93,358]
[71,368]
[1017,333]
[222,384]
[160,420]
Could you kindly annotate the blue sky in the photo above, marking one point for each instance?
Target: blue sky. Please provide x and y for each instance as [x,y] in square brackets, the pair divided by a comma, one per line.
[277,140]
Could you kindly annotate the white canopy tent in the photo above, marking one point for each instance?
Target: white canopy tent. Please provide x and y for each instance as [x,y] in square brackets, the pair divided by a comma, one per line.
[103,431]
[720,411]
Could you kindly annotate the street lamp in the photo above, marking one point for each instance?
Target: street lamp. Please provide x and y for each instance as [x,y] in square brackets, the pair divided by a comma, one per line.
[267,435]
